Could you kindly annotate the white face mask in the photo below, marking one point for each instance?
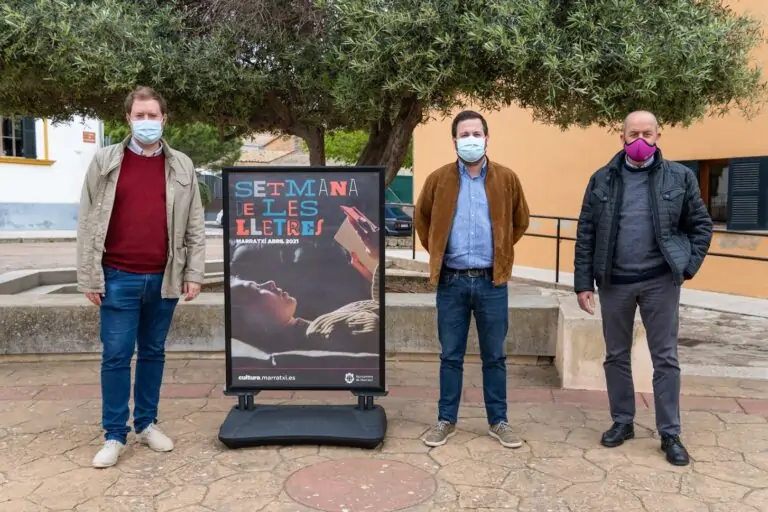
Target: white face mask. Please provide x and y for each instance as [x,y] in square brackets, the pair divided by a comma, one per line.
[471,149]
[147,131]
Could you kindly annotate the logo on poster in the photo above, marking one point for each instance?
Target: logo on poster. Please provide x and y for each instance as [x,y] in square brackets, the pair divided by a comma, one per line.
[349,378]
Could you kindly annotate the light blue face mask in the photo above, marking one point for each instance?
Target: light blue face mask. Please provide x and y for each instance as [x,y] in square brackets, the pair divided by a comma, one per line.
[147,131]
[471,149]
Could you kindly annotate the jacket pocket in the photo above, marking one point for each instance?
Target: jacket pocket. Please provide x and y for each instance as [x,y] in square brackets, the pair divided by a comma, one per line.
[599,200]
[671,204]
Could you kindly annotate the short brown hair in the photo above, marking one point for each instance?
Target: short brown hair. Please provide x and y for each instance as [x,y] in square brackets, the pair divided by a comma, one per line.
[144,92]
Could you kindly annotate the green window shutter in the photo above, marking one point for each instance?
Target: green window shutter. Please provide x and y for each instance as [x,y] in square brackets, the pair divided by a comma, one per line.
[28,138]
[748,194]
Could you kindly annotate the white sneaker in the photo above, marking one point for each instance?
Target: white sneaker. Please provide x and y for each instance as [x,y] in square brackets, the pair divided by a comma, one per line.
[155,439]
[108,454]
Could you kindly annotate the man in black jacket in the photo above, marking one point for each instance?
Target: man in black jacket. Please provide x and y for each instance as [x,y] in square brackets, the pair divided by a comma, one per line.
[643,230]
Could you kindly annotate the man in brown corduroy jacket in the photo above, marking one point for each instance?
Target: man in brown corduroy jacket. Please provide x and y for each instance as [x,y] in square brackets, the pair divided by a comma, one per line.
[469,216]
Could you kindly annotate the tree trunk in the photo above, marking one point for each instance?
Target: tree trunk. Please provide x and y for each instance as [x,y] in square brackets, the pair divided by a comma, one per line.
[315,139]
[378,134]
[388,141]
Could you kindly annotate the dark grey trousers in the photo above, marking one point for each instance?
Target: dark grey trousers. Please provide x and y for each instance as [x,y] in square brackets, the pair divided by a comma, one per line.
[659,301]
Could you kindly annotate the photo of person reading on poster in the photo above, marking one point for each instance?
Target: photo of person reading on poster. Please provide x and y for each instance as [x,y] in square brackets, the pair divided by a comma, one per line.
[311,305]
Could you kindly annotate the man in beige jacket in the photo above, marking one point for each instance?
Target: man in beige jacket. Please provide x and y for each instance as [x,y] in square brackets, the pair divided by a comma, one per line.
[140,246]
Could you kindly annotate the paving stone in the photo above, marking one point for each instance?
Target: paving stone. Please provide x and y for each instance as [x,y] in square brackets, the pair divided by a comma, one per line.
[19,506]
[573,469]
[401,429]
[750,438]
[737,417]
[483,498]
[249,460]
[735,472]
[606,459]
[759,460]
[758,498]
[732,507]
[178,497]
[583,438]
[664,503]
[602,496]
[242,492]
[543,449]
[711,490]
[199,472]
[139,485]
[118,504]
[713,454]
[544,503]
[65,491]
[641,478]
[473,473]
[421,461]
[529,483]
[16,491]
[47,445]
[41,468]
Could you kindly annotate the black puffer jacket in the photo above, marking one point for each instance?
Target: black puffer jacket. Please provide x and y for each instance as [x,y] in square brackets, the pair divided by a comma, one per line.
[680,218]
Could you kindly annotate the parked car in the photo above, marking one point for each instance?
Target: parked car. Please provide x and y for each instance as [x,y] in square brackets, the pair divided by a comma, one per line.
[397,222]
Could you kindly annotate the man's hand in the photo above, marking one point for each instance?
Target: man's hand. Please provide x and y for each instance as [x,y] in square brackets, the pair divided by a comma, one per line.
[95,298]
[191,291]
[587,302]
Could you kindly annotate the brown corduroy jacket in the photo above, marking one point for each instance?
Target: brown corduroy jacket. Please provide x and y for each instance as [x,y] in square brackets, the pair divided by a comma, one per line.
[436,207]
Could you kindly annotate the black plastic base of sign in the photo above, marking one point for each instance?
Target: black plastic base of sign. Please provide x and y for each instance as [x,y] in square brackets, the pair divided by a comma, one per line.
[336,425]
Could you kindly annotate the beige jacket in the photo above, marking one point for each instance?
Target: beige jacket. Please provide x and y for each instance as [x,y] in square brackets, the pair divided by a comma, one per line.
[186,222]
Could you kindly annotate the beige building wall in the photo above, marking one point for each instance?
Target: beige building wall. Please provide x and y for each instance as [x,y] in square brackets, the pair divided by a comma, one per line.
[554,167]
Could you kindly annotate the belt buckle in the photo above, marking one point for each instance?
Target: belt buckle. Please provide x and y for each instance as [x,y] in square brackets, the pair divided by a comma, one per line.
[473,272]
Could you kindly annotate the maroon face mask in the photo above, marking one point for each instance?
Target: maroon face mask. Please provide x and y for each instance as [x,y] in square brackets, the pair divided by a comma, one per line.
[639,150]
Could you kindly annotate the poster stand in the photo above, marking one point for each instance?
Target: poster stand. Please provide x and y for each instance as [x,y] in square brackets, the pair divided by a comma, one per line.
[360,426]
[363,424]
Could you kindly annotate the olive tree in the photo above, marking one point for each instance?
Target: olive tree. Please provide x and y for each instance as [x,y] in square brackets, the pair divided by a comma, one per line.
[307,67]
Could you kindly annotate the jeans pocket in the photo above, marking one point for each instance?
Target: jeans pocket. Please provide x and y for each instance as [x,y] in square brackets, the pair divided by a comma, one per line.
[110,272]
[447,278]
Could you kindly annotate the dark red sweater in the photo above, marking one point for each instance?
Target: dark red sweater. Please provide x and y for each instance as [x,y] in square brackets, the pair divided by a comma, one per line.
[137,239]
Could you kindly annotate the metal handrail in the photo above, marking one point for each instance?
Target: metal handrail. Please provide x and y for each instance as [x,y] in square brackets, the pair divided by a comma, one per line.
[559,238]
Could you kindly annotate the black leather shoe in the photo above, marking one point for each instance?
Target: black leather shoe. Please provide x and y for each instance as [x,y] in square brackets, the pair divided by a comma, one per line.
[677,455]
[617,434]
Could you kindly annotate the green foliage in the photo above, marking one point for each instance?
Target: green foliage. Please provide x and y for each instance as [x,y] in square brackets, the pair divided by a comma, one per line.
[198,141]
[347,146]
[305,67]
[571,62]
[205,193]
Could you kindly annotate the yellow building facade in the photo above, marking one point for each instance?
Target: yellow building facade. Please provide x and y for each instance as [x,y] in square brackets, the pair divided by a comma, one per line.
[729,154]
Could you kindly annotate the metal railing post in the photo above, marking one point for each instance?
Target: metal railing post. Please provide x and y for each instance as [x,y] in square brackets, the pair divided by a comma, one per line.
[557,254]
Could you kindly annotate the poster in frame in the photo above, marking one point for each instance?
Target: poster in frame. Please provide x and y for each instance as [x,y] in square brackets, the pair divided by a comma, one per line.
[304,278]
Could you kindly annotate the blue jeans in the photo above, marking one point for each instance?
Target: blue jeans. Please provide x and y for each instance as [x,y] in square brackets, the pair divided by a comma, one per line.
[458,297]
[132,314]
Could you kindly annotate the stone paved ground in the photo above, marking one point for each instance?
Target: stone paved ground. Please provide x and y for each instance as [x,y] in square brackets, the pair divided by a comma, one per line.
[49,431]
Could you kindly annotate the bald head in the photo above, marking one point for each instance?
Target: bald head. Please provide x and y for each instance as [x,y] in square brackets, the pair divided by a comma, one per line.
[640,124]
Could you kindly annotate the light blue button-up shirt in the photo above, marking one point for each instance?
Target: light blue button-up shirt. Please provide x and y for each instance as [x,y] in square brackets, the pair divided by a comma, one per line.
[470,244]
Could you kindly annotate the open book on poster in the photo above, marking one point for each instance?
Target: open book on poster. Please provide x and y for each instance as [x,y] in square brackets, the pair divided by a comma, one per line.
[348,237]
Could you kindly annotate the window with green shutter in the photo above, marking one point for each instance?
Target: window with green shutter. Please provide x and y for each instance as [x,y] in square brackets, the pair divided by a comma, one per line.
[748,193]
[18,137]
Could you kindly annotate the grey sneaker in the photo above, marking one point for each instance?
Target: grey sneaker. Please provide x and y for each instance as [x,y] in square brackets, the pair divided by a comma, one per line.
[440,434]
[503,432]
